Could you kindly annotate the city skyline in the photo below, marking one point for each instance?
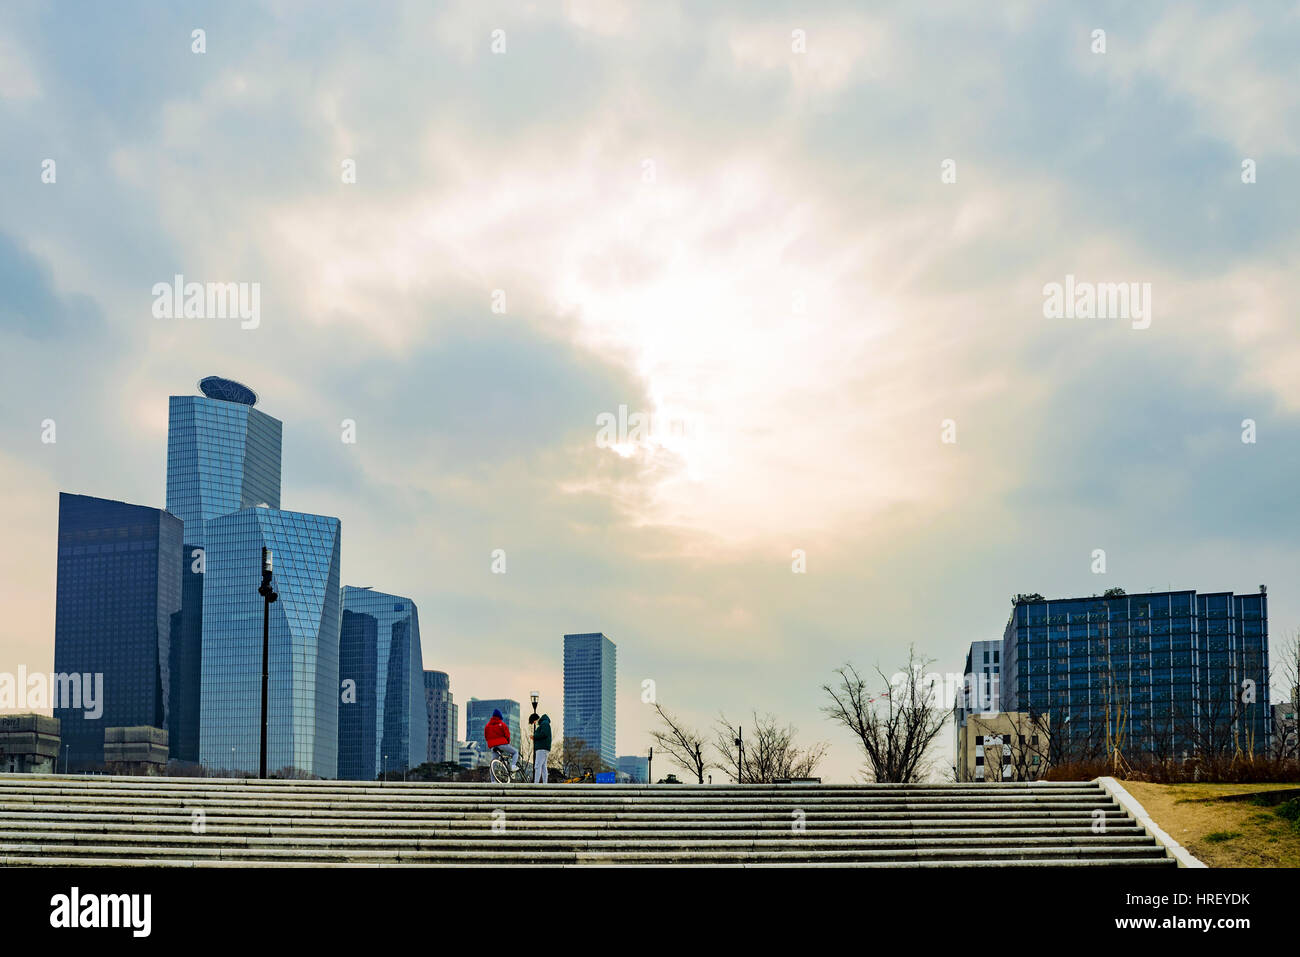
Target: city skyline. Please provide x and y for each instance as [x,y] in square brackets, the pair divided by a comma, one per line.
[415,687]
[677,320]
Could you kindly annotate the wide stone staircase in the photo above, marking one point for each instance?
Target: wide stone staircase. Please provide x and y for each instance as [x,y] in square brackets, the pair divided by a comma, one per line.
[147,821]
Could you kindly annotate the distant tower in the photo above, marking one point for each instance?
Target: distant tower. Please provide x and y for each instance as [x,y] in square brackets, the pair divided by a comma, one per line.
[441,710]
[590,676]
[386,727]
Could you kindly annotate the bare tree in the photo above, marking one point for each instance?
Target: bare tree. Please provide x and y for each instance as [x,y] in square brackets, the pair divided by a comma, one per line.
[575,757]
[1286,733]
[684,745]
[770,752]
[895,722]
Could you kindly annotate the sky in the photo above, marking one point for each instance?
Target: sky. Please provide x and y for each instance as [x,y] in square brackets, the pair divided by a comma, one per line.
[808,242]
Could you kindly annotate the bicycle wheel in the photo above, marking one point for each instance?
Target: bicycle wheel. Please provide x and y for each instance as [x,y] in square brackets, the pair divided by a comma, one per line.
[525,773]
[500,772]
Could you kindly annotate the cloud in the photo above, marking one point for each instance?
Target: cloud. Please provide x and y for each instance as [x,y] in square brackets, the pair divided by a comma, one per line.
[687,218]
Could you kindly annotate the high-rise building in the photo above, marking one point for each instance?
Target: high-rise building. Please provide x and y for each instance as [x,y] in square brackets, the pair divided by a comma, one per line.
[590,675]
[441,710]
[383,723]
[635,766]
[1170,673]
[304,642]
[117,594]
[222,456]
[478,711]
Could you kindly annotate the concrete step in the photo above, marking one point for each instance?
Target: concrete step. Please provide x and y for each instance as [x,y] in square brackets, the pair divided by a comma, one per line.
[143,862]
[801,799]
[117,821]
[532,842]
[608,855]
[563,830]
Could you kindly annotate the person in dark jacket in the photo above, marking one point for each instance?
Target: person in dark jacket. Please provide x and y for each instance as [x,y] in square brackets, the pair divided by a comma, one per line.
[497,734]
[541,748]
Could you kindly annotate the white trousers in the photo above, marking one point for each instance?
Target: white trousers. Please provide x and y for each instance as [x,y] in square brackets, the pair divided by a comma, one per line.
[511,750]
[539,767]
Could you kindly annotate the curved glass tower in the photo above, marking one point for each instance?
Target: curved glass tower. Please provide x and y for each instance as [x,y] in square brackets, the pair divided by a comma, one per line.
[383,721]
[304,686]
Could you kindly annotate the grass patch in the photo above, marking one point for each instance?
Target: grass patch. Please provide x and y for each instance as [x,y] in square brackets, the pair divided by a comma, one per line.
[1289,811]
[1218,824]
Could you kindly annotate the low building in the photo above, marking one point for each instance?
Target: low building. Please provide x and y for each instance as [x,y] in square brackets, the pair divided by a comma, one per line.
[1001,746]
[29,743]
[472,755]
[634,767]
[136,750]
[1286,735]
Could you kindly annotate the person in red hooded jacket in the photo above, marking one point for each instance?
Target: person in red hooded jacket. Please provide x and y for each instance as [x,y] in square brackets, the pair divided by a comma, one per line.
[497,733]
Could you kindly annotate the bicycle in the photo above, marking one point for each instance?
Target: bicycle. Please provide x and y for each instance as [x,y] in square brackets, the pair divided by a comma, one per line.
[501,773]
[575,773]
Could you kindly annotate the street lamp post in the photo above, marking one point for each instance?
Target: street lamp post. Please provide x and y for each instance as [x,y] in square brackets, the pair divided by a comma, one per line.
[268,595]
[740,755]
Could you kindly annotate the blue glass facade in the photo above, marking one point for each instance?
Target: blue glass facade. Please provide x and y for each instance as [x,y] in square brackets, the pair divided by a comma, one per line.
[383,722]
[1184,671]
[637,768]
[590,674]
[305,622]
[479,710]
[118,593]
[222,456]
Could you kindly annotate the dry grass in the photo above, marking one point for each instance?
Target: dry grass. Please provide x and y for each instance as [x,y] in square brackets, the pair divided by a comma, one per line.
[1222,833]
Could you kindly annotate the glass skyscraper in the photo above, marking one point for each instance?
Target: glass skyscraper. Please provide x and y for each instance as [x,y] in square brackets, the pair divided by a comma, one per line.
[1174,672]
[383,721]
[590,674]
[304,657]
[223,455]
[118,592]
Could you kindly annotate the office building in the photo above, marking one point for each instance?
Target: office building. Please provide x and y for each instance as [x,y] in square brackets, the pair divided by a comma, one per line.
[223,455]
[1000,746]
[635,766]
[590,675]
[441,711]
[1159,674]
[304,642]
[118,590]
[383,722]
[472,754]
